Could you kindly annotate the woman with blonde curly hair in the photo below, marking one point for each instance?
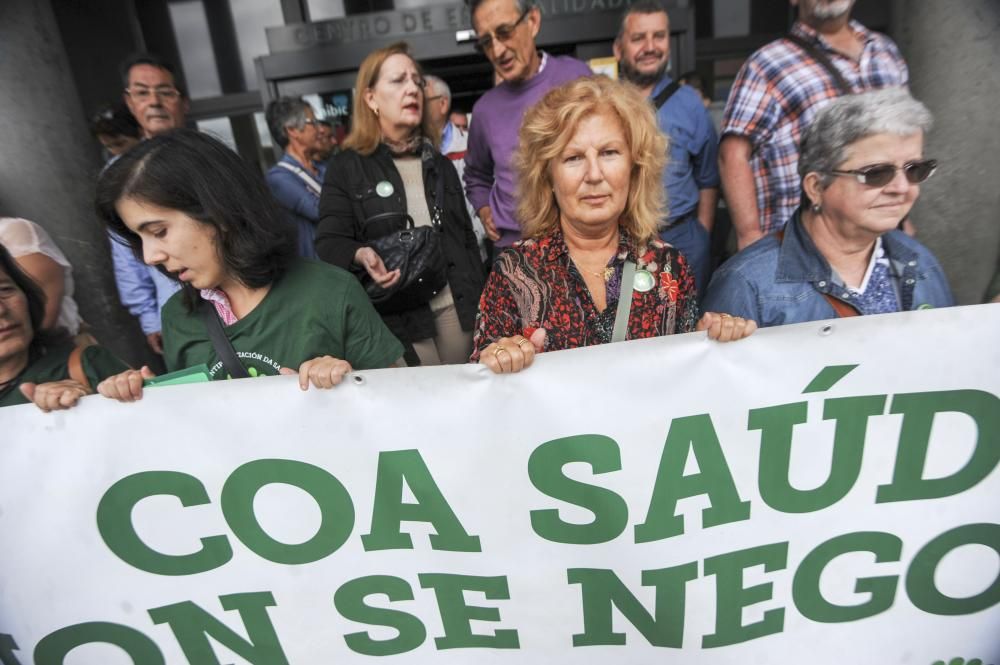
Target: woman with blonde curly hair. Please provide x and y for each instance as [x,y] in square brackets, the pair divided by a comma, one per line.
[590,161]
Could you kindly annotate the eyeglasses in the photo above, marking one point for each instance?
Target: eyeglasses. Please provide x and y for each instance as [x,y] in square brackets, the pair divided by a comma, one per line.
[141,94]
[880,175]
[503,33]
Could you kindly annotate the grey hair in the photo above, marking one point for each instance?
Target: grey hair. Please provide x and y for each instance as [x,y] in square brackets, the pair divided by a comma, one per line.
[848,119]
[640,7]
[522,7]
[440,87]
[286,112]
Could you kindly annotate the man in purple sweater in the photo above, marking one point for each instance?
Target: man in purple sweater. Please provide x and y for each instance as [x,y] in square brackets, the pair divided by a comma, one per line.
[506,31]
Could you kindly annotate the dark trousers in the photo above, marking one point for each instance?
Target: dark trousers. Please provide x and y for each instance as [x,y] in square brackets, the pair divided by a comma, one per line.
[693,241]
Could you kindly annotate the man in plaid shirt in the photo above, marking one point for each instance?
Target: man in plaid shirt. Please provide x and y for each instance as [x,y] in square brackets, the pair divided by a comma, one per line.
[775,96]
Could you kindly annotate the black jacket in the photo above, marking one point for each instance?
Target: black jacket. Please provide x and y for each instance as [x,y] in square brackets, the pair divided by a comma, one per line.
[349,198]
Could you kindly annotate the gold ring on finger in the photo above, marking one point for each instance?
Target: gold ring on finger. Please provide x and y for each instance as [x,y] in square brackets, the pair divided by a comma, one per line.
[521,342]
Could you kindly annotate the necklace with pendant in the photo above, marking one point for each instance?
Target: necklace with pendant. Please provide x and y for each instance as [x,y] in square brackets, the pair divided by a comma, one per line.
[604,274]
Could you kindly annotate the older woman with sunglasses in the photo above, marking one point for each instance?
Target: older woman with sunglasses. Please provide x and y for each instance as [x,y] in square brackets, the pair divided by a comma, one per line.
[861,162]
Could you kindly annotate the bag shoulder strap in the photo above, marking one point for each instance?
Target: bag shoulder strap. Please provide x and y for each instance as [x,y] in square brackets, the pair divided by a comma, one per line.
[311,183]
[624,302]
[223,347]
[840,308]
[666,94]
[75,366]
[439,199]
[437,210]
[843,87]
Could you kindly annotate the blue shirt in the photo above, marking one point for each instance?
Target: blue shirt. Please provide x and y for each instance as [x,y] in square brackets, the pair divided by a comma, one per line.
[446,134]
[300,201]
[776,281]
[694,148]
[143,289]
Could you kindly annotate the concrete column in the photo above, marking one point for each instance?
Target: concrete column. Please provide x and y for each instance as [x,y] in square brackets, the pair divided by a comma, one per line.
[50,164]
[953,51]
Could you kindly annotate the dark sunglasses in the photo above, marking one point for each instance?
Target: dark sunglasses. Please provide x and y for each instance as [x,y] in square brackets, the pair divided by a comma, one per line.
[880,175]
[503,33]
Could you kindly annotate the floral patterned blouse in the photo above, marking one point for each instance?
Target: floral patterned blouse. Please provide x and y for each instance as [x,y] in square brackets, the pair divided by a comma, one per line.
[535,284]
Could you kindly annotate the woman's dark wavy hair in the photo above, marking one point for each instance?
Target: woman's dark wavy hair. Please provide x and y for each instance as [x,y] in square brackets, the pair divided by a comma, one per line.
[42,340]
[200,176]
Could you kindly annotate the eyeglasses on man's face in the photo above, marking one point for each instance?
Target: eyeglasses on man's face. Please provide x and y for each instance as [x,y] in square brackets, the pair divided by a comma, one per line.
[880,175]
[503,32]
[142,93]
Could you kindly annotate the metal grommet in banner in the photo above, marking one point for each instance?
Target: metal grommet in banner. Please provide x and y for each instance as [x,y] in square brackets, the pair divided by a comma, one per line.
[827,329]
[643,281]
[384,189]
[358,379]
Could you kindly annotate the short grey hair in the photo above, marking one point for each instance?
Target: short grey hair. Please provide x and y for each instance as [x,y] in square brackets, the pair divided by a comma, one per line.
[283,113]
[439,86]
[522,7]
[848,119]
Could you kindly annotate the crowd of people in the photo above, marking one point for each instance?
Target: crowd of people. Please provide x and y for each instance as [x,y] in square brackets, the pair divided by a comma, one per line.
[569,210]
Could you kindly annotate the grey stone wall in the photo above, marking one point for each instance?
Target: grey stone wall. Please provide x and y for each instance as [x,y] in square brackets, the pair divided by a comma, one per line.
[49,164]
[953,50]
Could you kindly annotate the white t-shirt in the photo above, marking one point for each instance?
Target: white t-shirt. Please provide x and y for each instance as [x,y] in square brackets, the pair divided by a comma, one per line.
[21,238]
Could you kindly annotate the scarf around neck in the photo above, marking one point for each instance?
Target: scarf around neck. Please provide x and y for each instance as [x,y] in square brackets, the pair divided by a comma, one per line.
[406,147]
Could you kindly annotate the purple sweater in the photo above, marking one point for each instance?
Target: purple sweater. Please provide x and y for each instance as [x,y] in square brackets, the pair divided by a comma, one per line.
[490,178]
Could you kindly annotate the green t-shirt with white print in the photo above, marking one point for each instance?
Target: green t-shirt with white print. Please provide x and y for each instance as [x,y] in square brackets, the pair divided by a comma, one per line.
[314,310]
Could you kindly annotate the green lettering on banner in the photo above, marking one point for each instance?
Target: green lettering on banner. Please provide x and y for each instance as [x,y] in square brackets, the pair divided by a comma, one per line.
[7,648]
[920,581]
[777,424]
[731,596]
[114,522]
[389,511]
[545,468]
[602,591]
[919,409]
[350,602]
[697,435]
[192,626]
[54,647]
[456,615]
[337,511]
[881,590]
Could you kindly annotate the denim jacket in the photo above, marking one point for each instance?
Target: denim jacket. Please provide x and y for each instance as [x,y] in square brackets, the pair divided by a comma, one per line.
[780,280]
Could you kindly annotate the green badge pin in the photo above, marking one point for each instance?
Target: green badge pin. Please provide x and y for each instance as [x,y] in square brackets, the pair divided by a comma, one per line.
[384,189]
[643,281]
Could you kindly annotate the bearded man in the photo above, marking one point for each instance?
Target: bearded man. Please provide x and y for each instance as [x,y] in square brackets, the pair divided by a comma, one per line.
[691,178]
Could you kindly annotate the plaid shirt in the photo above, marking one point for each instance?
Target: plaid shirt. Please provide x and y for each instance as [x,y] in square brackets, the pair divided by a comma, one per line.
[775,96]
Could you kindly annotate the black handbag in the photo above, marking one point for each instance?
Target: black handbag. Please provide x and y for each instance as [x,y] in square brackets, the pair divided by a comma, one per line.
[416,252]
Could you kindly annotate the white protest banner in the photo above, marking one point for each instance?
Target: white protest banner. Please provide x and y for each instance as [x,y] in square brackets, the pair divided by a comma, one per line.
[822,493]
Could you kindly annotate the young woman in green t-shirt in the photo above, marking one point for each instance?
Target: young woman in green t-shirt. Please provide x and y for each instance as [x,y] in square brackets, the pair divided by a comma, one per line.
[188,205]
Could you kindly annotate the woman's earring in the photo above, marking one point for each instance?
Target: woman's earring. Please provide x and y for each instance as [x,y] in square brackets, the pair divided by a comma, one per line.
[817,208]
[375,111]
